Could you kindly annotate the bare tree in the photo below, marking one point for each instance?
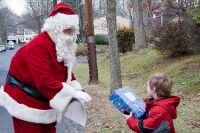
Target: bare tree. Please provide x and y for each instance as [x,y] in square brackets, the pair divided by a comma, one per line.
[3,25]
[121,11]
[7,22]
[149,6]
[2,2]
[130,12]
[37,12]
[99,8]
[138,25]
[183,5]
[113,46]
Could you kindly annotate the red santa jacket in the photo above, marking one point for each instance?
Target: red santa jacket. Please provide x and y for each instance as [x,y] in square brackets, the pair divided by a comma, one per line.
[158,118]
[36,64]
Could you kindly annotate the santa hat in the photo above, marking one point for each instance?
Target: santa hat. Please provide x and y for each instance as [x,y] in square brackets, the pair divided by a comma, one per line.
[61,17]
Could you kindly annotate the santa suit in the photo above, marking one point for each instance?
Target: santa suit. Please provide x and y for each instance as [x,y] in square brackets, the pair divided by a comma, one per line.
[35,63]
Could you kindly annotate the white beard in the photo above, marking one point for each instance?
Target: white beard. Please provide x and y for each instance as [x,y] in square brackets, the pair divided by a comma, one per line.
[65,48]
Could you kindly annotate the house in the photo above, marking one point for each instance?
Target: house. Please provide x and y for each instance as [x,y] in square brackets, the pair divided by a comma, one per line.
[158,18]
[28,35]
[166,15]
[21,38]
[25,37]
[100,24]
[13,38]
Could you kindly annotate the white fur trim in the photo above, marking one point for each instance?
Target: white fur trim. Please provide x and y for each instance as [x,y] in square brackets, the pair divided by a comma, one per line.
[59,117]
[62,98]
[69,73]
[24,112]
[76,85]
[60,21]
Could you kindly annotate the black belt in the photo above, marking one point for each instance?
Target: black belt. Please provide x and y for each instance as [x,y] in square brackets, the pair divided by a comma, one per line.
[28,89]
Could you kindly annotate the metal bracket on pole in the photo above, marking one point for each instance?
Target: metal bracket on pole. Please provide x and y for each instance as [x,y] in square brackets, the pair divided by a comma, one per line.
[91,40]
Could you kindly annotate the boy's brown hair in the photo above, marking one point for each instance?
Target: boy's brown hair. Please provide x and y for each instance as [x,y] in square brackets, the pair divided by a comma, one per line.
[162,83]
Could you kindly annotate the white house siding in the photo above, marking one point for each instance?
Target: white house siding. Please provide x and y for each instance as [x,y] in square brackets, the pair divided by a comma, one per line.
[28,35]
[13,38]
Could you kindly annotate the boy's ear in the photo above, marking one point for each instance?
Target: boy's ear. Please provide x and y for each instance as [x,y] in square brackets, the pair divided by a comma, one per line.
[154,89]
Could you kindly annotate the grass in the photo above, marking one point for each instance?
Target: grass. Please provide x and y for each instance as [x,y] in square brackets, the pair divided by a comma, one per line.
[136,67]
[101,50]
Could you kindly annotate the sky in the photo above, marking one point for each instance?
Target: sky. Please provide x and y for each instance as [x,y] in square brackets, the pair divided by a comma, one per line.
[18,6]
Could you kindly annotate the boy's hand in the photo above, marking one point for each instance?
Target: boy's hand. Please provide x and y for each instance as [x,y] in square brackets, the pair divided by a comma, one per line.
[128,116]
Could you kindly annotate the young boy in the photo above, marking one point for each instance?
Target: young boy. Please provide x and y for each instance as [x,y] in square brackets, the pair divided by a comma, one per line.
[160,107]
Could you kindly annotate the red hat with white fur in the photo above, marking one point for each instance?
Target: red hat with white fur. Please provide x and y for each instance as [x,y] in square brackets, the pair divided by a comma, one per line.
[61,17]
[63,9]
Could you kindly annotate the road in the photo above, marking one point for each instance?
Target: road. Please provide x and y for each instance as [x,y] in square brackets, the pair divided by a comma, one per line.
[5,118]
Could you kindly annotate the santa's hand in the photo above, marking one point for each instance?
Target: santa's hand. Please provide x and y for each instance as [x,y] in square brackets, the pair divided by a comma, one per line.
[83,96]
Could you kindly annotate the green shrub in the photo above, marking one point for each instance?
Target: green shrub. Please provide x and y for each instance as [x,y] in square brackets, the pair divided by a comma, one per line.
[125,39]
[175,38]
[19,41]
[101,39]
[80,39]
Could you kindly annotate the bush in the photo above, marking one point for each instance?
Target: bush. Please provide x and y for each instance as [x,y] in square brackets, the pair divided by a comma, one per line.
[101,40]
[125,39]
[150,38]
[80,39]
[175,38]
[196,39]
[19,41]
[82,51]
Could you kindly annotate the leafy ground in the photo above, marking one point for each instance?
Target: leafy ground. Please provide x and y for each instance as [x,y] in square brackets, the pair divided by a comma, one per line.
[103,117]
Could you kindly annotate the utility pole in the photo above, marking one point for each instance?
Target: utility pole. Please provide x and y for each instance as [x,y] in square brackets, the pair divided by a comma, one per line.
[54,3]
[91,42]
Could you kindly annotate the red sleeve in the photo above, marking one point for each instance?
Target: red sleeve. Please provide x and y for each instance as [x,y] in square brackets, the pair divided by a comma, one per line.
[154,119]
[146,125]
[133,124]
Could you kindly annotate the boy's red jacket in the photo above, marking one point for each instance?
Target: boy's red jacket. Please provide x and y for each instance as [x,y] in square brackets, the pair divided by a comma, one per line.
[158,117]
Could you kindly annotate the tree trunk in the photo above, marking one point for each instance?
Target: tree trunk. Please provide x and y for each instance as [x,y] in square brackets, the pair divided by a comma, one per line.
[150,18]
[113,46]
[131,18]
[138,25]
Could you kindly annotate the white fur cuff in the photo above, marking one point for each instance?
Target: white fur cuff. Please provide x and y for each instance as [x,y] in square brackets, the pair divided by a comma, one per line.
[62,98]
[76,85]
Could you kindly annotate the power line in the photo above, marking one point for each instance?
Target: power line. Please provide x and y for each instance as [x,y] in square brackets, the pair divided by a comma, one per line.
[26,21]
[31,18]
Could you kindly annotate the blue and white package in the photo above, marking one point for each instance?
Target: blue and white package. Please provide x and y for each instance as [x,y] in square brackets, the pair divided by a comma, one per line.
[124,99]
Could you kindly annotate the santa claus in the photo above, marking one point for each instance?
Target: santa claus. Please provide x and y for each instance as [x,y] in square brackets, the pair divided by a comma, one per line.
[40,83]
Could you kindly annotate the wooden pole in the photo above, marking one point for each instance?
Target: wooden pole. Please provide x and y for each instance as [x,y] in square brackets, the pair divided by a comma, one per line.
[91,42]
[54,3]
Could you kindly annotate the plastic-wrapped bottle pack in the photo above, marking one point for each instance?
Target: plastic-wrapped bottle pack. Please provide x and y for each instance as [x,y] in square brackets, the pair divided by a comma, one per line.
[125,100]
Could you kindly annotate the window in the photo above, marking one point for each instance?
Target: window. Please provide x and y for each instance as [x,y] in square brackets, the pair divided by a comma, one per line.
[118,25]
[104,26]
[28,38]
